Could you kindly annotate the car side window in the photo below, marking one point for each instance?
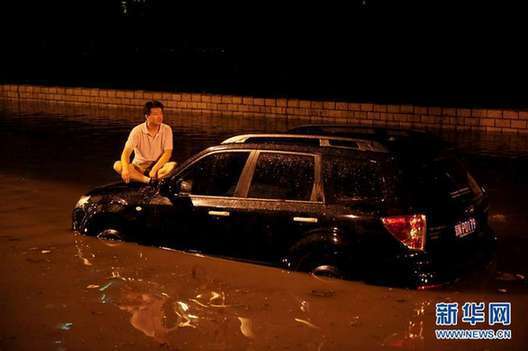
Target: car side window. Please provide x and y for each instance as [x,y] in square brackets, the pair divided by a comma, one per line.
[216,174]
[283,176]
[347,179]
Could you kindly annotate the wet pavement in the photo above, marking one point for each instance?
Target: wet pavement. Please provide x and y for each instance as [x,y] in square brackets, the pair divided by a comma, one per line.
[66,292]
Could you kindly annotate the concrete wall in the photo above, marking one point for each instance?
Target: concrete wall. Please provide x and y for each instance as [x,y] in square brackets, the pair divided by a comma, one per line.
[407,116]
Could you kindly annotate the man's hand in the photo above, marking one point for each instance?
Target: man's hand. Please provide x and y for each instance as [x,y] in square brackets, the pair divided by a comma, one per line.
[153,173]
[125,174]
[125,158]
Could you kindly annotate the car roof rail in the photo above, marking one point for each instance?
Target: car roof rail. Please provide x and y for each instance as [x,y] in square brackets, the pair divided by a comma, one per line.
[328,128]
[308,140]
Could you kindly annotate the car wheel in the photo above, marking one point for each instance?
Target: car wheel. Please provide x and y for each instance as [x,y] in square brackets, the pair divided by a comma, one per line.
[112,234]
[320,266]
[326,271]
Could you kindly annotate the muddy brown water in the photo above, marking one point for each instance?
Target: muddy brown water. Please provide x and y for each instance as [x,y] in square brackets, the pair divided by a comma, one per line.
[66,292]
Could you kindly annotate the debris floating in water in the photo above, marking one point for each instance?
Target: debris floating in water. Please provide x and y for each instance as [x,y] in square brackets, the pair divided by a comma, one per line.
[323,293]
[104,298]
[65,326]
[354,321]
[106,286]
[311,325]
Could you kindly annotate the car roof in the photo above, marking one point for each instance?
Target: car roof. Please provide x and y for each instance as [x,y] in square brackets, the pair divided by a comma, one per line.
[358,144]
[398,140]
[336,128]
[299,148]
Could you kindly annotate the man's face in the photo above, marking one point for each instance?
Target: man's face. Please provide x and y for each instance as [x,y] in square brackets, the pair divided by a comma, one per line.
[156,116]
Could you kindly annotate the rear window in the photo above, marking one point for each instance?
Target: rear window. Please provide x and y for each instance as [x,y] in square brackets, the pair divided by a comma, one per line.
[449,173]
[442,176]
[348,179]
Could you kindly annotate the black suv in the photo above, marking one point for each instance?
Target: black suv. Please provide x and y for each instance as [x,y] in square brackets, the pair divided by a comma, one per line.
[330,208]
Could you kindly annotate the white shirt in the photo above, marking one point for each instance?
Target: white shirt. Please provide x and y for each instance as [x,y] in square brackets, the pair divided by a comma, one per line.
[149,147]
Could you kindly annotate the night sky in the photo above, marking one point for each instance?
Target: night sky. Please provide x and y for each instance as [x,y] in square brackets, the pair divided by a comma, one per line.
[449,53]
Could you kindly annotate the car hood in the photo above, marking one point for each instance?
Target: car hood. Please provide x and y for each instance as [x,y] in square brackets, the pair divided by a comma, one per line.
[132,192]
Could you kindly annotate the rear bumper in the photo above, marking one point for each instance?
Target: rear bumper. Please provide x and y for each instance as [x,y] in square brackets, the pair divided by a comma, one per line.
[443,263]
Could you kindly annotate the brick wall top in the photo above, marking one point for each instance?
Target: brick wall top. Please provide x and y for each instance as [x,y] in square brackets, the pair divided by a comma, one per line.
[406,116]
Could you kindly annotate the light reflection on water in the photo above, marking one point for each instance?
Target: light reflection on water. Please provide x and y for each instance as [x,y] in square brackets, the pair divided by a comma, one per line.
[197,303]
[195,300]
[184,299]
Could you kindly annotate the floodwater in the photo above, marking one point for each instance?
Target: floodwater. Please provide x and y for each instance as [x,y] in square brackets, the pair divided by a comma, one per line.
[65,292]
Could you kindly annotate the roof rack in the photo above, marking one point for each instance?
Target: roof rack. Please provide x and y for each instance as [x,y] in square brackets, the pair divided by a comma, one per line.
[308,140]
[328,128]
[393,139]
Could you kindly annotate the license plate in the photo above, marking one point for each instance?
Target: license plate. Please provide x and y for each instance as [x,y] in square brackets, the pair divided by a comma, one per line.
[465,228]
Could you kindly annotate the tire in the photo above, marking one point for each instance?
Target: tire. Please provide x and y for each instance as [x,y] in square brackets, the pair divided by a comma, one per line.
[112,233]
[326,271]
[109,228]
[320,265]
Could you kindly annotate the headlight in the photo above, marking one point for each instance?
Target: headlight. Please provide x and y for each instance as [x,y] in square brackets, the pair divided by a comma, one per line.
[82,201]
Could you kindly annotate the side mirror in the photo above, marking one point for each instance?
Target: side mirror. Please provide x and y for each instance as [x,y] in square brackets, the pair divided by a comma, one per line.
[177,192]
[174,189]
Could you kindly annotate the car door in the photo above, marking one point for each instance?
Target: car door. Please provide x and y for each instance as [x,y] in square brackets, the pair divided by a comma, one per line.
[213,181]
[281,201]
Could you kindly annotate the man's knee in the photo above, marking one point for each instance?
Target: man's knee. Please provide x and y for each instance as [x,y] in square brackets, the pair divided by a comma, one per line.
[117,166]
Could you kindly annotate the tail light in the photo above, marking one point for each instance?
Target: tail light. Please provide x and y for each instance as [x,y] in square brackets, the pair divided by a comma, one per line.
[410,230]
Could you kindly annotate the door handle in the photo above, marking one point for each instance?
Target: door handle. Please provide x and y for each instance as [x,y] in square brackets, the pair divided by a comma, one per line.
[305,219]
[219,213]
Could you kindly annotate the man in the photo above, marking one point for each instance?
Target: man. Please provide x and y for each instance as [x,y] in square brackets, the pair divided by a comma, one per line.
[151,143]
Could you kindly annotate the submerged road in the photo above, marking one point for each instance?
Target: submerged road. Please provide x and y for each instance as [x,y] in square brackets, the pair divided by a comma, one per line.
[66,292]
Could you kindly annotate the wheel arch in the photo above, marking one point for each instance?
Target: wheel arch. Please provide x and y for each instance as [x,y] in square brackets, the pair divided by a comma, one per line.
[330,242]
[103,221]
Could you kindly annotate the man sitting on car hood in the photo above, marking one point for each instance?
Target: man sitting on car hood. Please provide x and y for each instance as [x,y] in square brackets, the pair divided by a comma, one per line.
[151,143]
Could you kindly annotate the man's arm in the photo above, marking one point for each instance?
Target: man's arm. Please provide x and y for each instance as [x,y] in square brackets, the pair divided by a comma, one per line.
[125,164]
[165,157]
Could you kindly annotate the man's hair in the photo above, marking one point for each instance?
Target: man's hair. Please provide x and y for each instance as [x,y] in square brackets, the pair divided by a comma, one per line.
[149,105]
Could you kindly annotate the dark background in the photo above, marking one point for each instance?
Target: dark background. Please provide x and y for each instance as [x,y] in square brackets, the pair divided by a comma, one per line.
[421,52]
